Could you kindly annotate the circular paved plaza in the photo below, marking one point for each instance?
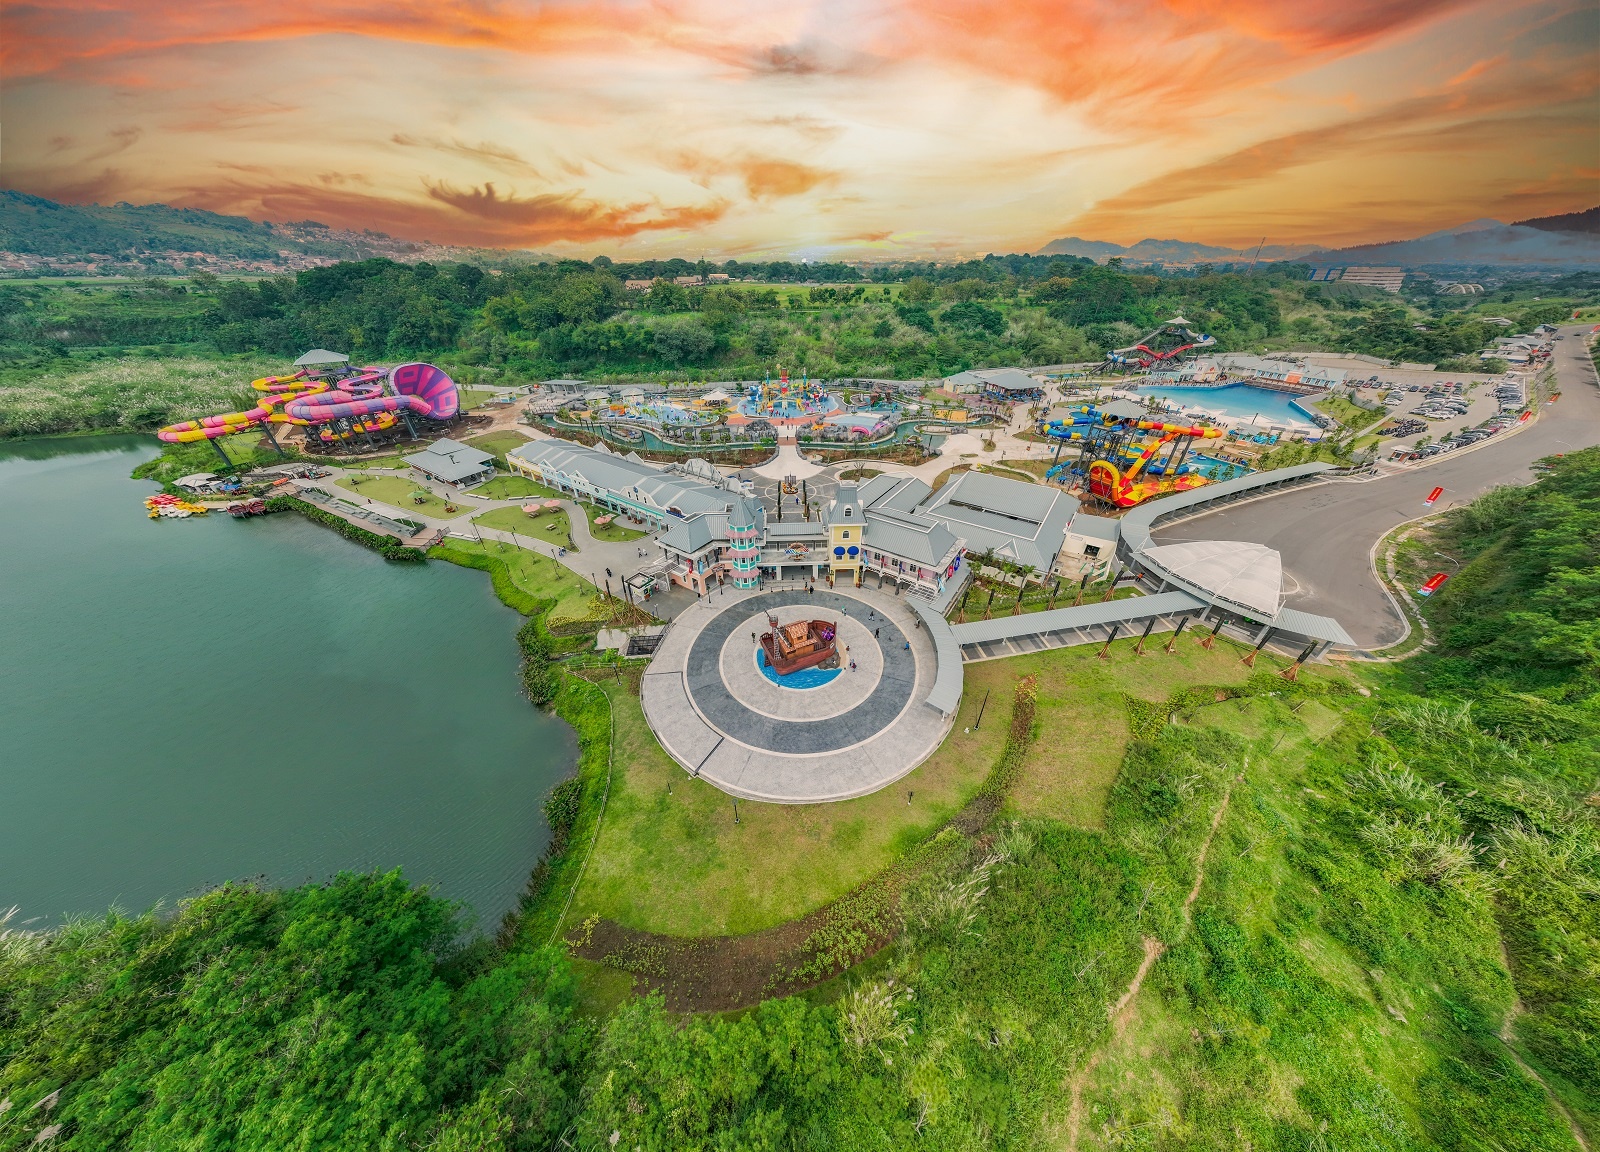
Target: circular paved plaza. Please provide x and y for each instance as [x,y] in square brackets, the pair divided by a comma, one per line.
[723,718]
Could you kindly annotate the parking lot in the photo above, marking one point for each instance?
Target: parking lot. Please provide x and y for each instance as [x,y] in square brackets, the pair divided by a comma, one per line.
[1435,416]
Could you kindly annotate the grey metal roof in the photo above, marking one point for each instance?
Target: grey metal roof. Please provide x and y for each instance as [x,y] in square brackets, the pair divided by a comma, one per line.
[1124,409]
[321,356]
[1094,527]
[796,529]
[923,539]
[902,493]
[451,460]
[1022,522]
[1068,619]
[1311,626]
[846,505]
[948,676]
[1007,379]
[627,476]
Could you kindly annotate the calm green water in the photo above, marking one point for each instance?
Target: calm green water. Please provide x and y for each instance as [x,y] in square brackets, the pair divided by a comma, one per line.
[188,702]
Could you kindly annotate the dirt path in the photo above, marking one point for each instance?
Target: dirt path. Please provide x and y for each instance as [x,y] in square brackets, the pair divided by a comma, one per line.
[1508,1037]
[1121,1012]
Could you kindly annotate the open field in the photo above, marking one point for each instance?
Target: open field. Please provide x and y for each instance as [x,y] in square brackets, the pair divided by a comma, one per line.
[614,532]
[400,492]
[538,575]
[498,444]
[674,862]
[515,488]
[552,527]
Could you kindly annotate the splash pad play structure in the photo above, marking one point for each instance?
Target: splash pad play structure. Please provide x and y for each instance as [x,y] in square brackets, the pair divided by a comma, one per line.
[1120,459]
[335,403]
[786,404]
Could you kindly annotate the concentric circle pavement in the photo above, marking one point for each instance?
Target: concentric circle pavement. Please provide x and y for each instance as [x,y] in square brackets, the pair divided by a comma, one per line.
[716,714]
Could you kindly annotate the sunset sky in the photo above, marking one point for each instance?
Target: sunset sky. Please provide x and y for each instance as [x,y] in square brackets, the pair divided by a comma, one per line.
[855,129]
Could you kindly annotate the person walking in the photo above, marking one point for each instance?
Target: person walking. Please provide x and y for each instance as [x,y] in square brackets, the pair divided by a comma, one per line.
[876,632]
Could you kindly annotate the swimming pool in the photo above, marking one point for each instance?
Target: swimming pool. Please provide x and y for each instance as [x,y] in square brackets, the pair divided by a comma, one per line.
[1215,468]
[1242,401]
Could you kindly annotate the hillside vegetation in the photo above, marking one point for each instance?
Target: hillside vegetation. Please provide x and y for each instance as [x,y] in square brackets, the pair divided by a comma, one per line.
[571,318]
[1338,913]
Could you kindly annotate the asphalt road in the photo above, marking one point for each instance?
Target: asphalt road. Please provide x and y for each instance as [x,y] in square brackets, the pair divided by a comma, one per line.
[1326,533]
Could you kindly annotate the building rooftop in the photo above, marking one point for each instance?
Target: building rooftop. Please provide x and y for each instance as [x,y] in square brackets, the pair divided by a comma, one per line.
[1021,522]
[451,460]
[1004,379]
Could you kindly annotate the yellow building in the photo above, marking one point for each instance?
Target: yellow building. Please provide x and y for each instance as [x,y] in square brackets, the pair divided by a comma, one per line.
[847,531]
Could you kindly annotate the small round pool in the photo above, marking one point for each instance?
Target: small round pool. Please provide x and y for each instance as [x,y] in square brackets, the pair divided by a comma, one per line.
[805,678]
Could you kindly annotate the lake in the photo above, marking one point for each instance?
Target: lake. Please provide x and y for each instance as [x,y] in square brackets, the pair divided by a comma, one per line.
[185,702]
[1238,400]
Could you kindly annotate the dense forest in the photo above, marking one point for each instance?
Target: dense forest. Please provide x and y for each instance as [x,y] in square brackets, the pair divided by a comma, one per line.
[1396,946]
[577,317]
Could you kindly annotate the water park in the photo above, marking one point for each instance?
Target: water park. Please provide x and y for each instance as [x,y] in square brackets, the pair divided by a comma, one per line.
[339,406]
[786,404]
[1124,457]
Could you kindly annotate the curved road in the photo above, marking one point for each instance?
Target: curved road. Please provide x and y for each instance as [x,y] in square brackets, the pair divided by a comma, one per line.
[1326,533]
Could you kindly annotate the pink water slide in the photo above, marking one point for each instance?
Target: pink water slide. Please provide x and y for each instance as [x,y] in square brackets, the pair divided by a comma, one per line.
[424,389]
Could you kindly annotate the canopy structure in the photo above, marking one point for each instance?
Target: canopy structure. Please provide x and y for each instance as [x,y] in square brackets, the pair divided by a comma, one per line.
[319,356]
[1237,570]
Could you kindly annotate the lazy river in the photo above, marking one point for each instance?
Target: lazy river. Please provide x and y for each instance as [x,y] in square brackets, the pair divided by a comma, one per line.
[190,702]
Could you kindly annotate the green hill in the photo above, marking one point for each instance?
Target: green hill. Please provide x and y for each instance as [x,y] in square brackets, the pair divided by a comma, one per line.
[41,227]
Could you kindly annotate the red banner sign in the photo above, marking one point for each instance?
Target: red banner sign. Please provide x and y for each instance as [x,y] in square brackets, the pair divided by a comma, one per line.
[1432,496]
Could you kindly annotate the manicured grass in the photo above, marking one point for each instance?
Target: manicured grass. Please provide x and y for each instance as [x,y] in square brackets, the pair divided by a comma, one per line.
[676,862]
[539,575]
[396,491]
[472,397]
[498,444]
[515,488]
[377,462]
[613,532]
[552,527]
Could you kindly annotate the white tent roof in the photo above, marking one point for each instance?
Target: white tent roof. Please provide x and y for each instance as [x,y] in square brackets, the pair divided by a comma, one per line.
[1237,570]
[716,396]
[321,356]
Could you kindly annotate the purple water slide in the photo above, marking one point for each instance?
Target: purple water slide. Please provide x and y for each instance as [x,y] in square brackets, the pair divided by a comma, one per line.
[421,388]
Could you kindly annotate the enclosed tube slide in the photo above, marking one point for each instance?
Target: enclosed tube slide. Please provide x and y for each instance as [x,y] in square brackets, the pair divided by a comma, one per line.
[301,398]
[280,390]
[421,388]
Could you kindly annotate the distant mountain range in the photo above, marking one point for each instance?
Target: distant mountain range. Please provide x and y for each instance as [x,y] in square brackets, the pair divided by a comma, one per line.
[40,235]
[1573,238]
[1168,251]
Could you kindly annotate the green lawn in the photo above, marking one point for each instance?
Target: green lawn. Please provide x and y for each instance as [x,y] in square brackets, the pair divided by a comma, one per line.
[472,397]
[676,863]
[497,444]
[380,462]
[397,491]
[551,527]
[515,488]
[614,532]
[1348,414]
[539,575]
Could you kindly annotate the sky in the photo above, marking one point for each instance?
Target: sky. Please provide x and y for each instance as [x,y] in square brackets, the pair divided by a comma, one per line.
[854,129]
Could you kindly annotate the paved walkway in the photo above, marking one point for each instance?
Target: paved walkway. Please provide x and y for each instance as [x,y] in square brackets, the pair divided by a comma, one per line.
[593,559]
[724,721]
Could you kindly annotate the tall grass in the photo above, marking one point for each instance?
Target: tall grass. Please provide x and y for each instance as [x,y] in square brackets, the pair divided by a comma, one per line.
[130,394]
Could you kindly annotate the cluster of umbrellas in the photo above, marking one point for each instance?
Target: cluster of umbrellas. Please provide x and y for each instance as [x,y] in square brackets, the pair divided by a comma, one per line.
[536,508]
